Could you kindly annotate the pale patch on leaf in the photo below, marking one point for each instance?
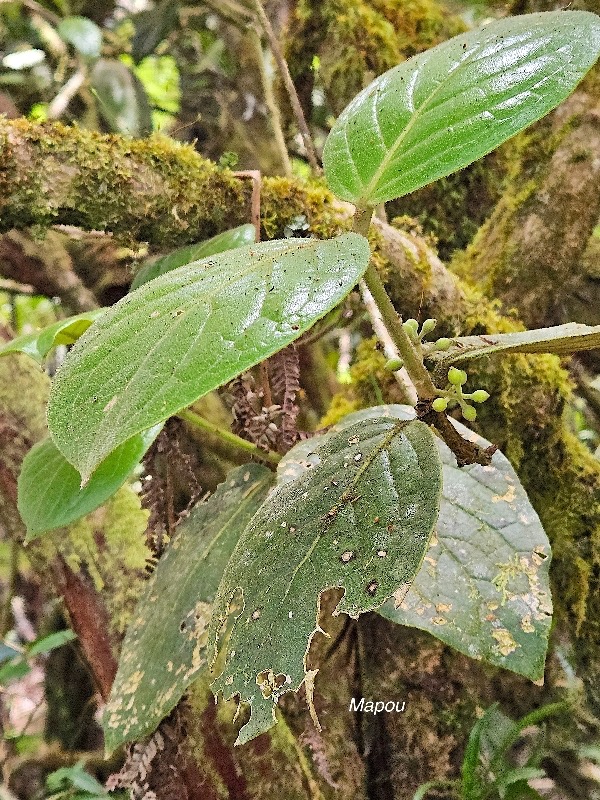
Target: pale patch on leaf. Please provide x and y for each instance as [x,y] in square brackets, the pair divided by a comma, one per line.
[487,568]
[165,646]
[374,488]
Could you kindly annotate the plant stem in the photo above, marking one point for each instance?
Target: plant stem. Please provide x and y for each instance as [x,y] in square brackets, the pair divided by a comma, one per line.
[289,86]
[230,438]
[466,452]
[413,361]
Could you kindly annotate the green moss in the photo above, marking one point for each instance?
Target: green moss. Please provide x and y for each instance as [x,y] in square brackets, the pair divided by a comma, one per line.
[109,546]
[355,41]
[152,189]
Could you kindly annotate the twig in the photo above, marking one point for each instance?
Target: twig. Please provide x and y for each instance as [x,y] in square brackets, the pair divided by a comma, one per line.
[389,348]
[289,86]
[14,287]
[272,105]
[254,175]
[11,589]
[59,104]
[230,438]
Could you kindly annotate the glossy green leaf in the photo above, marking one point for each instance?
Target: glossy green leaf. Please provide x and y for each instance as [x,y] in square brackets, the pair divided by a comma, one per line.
[228,240]
[359,519]
[484,585]
[38,344]
[183,334]
[51,642]
[561,339]
[122,101]
[446,107]
[83,34]
[165,646]
[49,491]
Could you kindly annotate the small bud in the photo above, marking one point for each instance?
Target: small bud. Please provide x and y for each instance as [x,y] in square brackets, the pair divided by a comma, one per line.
[480,396]
[411,326]
[443,343]
[428,326]
[394,364]
[457,376]
[440,404]
[469,413]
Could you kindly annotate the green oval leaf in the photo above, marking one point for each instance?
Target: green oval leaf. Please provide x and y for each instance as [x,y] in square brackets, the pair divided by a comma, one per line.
[228,240]
[37,345]
[49,492]
[165,646]
[360,519]
[446,107]
[484,585]
[122,101]
[83,34]
[183,334]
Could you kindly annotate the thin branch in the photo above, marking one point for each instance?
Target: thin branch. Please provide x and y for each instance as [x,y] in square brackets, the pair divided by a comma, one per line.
[232,439]
[254,175]
[289,86]
[389,348]
[59,104]
[271,105]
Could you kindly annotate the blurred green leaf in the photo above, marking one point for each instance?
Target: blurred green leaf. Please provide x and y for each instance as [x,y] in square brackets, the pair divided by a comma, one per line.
[122,101]
[37,345]
[83,34]
[51,642]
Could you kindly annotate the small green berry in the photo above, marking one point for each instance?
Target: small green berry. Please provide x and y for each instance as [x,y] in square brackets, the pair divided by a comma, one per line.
[393,364]
[457,376]
[480,396]
[440,404]
[428,326]
[443,343]
[469,413]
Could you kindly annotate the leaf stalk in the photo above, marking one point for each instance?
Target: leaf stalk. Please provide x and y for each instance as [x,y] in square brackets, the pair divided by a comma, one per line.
[230,438]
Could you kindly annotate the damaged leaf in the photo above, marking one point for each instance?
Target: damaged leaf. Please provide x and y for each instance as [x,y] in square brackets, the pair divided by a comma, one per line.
[359,519]
[484,585]
[37,345]
[49,491]
[165,646]
[185,333]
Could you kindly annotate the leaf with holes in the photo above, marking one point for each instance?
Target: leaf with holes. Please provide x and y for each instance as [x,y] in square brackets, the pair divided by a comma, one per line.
[446,107]
[484,585]
[165,646]
[228,240]
[183,334]
[360,519]
[49,492]
[37,345]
